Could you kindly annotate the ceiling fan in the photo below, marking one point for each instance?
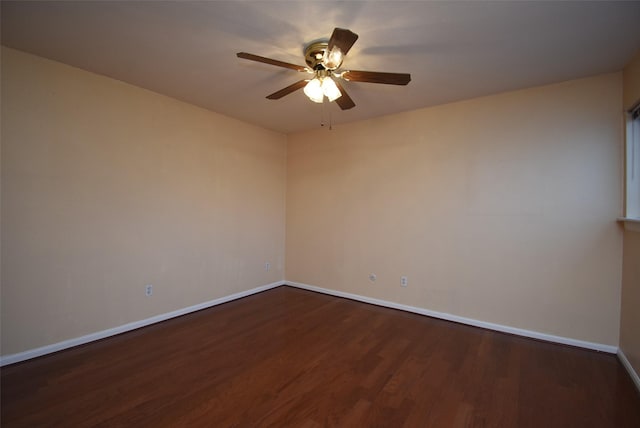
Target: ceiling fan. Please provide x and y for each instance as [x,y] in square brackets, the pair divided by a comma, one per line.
[323,61]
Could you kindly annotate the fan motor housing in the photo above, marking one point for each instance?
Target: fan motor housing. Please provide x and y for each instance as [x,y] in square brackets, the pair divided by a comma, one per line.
[314,55]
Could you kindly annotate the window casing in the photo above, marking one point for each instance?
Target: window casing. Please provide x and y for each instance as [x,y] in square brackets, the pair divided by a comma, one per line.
[632,168]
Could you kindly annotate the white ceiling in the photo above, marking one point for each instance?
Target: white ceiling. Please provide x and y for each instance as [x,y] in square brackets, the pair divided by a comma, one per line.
[454,50]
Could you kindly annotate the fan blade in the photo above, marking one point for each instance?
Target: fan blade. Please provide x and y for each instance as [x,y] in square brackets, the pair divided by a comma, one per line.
[377,77]
[343,39]
[286,91]
[275,62]
[345,102]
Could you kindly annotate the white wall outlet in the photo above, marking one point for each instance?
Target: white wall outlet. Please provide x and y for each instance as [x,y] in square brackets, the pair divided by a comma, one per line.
[267,266]
[403,281]
[372,277]
[148,289]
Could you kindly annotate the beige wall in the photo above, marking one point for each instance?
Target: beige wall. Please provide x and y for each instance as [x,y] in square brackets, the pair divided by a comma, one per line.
[630,314]
[500,209]
[107,187]
[631,75]
[630,317]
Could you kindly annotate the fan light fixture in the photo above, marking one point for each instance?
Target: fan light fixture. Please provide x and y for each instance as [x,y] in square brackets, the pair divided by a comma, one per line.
[330,89]
[318,88]
[314,90]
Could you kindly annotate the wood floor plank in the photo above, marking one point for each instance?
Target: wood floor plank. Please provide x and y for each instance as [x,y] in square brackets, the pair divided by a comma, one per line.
[290,357]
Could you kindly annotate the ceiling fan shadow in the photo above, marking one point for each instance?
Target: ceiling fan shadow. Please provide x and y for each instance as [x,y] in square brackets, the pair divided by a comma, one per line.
[414,49]
[343,14]
[247,21]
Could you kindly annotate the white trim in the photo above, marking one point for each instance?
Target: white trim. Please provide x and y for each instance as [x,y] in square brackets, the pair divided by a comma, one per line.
[48,349]
[469,321]
[632,168]
[55,347]
[627,365]
[631,224]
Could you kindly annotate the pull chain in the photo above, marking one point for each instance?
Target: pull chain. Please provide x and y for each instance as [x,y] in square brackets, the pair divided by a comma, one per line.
[322,117]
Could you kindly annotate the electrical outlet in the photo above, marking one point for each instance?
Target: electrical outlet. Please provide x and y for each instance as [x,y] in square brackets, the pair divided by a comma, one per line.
[267,266]
[403,281]
[148,289]
[372,277]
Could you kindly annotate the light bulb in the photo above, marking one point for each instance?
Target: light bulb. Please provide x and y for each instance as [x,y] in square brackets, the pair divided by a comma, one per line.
[314,91]
[333,59]
[330,89]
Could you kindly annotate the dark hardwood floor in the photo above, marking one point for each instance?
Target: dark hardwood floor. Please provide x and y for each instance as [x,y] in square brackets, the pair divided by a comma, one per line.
[289,357]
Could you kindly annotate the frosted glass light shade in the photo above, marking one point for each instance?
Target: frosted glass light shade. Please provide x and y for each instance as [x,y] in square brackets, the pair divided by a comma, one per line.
[314,91]
[330,89]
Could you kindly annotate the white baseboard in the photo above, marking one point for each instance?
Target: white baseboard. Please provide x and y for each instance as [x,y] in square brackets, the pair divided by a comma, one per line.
[627,365]
[469,321]
[48,349]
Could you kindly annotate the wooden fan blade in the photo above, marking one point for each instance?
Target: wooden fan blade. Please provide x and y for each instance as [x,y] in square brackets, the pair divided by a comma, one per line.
[343,39]
[377,77]
[345,102]
[275,62]
[286,91]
